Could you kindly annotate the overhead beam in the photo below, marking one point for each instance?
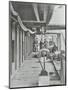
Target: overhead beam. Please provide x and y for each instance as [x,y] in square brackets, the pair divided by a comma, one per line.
[55,27]
[45,12]
[36,12]
[48,12]
[49,33]
[35,24]
[32,21]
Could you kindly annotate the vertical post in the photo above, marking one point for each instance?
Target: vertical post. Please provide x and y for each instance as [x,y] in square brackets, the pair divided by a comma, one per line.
[13,47]
[24,45]
[23,37]
[18,47]
[10,48]
[43,42]
[31,44]
[59,41]
[44,62]
[21,47]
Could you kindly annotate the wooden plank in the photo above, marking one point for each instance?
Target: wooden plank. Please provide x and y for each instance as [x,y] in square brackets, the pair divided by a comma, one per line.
[35,24]
[17,47]
[55,27]
[36,12]
[32,21]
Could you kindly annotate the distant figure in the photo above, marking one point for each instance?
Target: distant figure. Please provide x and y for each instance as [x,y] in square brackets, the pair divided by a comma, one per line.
[45,44]
[41,44]
[35,45]
[34,49]
[52,46]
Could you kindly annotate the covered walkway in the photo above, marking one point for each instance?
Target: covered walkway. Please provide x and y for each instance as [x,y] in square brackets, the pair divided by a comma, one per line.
[36,44]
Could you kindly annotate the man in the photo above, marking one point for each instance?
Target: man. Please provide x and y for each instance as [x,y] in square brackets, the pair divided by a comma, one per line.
[52,46]
[41,44]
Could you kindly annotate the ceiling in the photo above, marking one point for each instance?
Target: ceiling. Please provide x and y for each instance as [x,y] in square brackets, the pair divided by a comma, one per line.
[25,10]
[36,14]
[28,11]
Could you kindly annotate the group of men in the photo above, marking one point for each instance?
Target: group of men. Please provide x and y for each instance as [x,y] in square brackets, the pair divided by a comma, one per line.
[46,44]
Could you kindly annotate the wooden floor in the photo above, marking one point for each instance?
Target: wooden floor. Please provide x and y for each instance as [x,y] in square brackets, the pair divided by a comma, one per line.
[28,75]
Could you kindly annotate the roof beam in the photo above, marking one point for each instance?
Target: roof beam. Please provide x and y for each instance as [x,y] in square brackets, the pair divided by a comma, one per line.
[55,27]
[36,12]
[48,12]
[12,10]
[45,12]
[39,23]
